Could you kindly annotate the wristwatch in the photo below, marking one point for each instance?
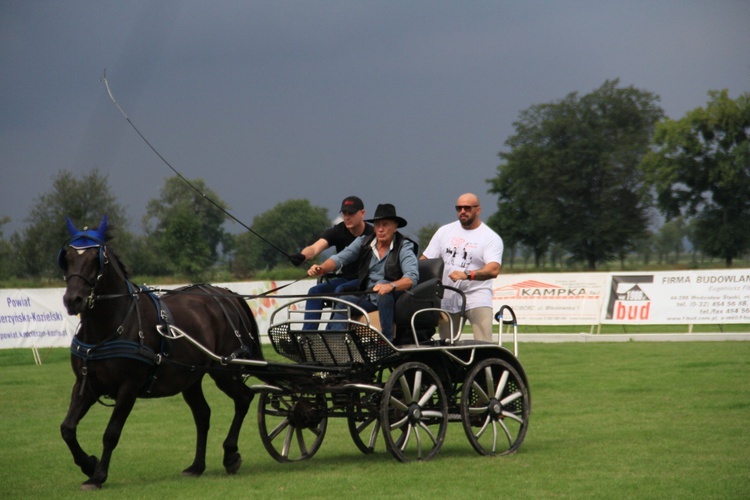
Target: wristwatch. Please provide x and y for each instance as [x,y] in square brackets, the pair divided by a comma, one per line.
[393,285]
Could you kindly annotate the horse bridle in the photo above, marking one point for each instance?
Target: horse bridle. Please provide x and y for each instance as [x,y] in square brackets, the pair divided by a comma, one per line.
[103,261]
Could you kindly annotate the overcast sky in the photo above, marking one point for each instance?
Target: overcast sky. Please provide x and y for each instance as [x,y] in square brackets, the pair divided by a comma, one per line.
[407,102]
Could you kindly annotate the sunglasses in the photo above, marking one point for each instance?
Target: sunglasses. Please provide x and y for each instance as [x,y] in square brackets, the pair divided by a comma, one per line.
[465,207]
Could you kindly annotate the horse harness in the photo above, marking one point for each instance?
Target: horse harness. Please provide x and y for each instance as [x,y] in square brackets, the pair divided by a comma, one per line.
[112,346]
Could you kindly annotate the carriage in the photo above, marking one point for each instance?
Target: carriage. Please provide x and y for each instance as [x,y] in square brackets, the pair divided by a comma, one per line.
[133,343]
[408,390]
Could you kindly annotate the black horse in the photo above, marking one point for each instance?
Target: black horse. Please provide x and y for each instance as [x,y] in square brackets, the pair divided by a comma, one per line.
[118,353]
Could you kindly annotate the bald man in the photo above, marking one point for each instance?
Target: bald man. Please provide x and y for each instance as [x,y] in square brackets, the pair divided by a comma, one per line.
[473,255]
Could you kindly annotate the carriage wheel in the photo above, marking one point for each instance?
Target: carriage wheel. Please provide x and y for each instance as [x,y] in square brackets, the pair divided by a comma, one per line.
[292,426]
[414,412]
[495,407]
[364,420]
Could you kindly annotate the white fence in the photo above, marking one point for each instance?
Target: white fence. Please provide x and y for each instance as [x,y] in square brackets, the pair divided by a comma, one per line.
[37,318]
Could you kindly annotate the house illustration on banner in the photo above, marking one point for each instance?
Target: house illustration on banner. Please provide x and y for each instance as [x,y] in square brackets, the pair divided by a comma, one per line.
[632,304]
[634,293]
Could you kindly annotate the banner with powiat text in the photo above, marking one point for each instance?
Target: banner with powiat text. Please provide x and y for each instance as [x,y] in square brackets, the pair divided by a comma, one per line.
[37,317]
[34,318]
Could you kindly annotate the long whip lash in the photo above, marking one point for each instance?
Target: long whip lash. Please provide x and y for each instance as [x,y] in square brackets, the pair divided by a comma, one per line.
[106,84]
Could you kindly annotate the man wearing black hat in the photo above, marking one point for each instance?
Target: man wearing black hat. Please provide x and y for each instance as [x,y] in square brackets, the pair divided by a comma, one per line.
[340,236]
[387,266]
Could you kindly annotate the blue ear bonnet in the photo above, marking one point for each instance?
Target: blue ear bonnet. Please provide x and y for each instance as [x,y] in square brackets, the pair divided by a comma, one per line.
[85,238]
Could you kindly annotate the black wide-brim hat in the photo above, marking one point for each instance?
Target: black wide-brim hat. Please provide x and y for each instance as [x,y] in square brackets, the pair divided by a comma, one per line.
[387,211]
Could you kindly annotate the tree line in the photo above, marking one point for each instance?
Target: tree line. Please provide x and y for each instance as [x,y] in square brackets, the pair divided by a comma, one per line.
[582,182]
[585,177]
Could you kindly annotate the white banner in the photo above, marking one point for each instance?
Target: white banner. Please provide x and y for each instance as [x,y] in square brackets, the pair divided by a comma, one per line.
[678,297]
[34,318]
[552,299]
[37,318]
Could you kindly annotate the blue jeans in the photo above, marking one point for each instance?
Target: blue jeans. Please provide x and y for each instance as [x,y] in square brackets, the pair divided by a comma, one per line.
[314,305]
[386,308]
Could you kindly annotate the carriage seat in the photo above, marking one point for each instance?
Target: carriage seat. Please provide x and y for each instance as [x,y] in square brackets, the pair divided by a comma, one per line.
[427,293]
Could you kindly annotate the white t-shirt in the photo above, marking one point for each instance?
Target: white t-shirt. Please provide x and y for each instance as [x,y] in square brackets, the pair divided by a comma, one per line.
[466,250]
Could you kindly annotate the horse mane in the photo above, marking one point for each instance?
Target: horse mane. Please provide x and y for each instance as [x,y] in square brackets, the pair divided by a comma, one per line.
[109,236]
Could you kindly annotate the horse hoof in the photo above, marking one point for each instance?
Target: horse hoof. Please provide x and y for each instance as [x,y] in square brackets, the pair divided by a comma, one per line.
[87,486]
[234,466]
[191,472]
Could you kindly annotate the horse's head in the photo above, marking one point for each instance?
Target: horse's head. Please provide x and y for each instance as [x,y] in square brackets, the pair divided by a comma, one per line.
[83,259]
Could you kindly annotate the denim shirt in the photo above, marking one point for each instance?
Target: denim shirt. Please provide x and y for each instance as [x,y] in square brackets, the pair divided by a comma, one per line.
[407,260]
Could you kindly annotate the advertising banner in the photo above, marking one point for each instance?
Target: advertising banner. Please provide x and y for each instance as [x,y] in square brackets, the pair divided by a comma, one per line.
[37,318]
[678,297]
[552,299]
[34,318]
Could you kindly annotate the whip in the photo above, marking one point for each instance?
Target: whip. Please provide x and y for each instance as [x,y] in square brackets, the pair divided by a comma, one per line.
[227,213]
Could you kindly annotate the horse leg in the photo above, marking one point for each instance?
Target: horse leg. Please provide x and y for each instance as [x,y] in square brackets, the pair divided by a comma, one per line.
[233,386]
[79,406]
[123,405]
[195,399]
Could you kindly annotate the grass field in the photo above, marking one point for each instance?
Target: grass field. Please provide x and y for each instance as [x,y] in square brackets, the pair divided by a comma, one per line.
[624,420]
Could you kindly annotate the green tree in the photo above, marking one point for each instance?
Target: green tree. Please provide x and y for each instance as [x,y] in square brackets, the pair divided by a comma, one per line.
[6,264]
[670,240]
[512,218]
[145,258]
[289,226]
[571,174]
[701,167]
[645,247]
[691,234]
[185,227]
[85,200]
[425,234]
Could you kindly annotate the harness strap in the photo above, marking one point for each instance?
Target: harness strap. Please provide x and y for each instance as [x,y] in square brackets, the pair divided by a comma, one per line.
[243,348]
[114,349]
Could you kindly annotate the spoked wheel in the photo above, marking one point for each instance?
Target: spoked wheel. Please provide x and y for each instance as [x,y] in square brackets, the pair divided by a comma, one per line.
[414,412]
[364,420]
[292,426]
[495,407]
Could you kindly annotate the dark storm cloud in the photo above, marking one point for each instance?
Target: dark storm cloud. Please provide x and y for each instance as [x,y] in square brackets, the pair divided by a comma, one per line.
[401,102]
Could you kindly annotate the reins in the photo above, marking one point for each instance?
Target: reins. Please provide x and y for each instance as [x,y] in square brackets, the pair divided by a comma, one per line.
[238,295]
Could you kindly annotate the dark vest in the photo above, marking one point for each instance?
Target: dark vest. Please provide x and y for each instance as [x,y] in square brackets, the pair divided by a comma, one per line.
[392,262]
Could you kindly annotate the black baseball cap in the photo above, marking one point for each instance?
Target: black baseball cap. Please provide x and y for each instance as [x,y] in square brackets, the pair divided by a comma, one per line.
[352,204]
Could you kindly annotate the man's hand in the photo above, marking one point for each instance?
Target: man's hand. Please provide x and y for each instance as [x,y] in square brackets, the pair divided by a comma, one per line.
[458,275]
[315,270]
[384,288]
[297,259]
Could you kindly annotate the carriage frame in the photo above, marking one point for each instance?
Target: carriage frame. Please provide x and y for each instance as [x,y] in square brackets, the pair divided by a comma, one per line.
[406,393]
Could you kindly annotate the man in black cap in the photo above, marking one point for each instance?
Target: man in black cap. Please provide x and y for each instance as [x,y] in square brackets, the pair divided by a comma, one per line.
[387,266]
[340,236]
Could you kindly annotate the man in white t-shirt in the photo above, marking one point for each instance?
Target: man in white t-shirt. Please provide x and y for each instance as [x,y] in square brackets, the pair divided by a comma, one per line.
[473,255]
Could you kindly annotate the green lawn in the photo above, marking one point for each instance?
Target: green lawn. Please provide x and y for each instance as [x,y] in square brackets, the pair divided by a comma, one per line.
[620,420]
[634,329]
